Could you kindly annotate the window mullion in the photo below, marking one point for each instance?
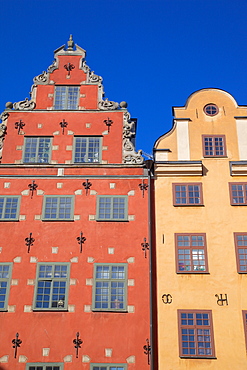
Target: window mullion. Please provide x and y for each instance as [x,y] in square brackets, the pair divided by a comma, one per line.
[37,150]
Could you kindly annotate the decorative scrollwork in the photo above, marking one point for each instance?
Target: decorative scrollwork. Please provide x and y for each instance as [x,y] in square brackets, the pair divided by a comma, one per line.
[129,154]
[52,67]
[107,105]
[25,105]
[93,78]
[4,116]
[41,79]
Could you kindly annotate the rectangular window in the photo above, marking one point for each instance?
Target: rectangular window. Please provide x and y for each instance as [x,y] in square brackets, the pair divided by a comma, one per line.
[245,326]
[9,208]
[66,97]
[37,150]
[214,146]
[238,193]
[58,208]
[191,253]
[112,208]
[110,287]
[195,334]
[52,286]
[108,367]
[187,194]
[5,275]
[87,149]
[241,251]
[44,366]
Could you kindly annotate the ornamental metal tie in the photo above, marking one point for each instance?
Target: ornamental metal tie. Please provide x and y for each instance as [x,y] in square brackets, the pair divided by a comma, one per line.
[63,124]
[143,186]
[19,126]
[69,67]
[32,187]
[108,122]
[145,247]
[81,240]
[29,242]
[147,350]
[87,185]
[221,300]
[16,343]
[77,343]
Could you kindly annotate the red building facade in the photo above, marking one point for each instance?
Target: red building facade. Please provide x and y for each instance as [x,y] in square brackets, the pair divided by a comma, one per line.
[74,259]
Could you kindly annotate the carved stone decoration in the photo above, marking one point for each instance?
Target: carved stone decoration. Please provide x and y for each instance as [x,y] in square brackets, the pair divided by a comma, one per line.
[4,116]
[3,129]
[85,67]
[41,79]
[93,78]
[25,105]
[52,67]
[107,105]
[130,156]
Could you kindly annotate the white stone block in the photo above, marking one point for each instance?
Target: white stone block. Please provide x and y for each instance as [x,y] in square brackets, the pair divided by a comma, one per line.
[22,217]
[25,192]
[78,192]
[56,132]
[40,192]
[131,282]
[72,282]
[112,185]
[86,358]
[70,132]
[33,259]
[40,125]
[108,352]
[4,359]
[131,217]
[11,308]
[27,308]
[71,308]
[55,147]
[131,309]
[23,358]
[105,132]
[90,259]
[45,352]
[14,282]
[60,172]
[131,260]
[91,217]
[88,125]
[67,358]
[54,250]
[17,259]
[74,260]
[131,192]
[37,217]
[68,161]
[111,250]
[89,281]
[59,185]
[77,217]
[30,282]
[93,192]
[69,147]
[6,185]
[87,308]
[131,359]
[53,162]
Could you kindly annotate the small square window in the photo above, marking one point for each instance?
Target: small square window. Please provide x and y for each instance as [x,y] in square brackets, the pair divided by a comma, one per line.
[87,149]
[66,97]
[187,194]
[191,253]
[37,150]
[58,208]
[44,366]
[112,208]
[9,208]
[5,275]
[214,146]
[52,284]
[241,251]
[195,334]
[238,194]
[110,287]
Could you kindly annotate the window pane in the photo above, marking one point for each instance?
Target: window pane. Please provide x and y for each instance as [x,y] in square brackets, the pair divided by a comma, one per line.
[66,97]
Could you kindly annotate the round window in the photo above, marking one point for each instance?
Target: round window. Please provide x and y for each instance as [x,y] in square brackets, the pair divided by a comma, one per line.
[211,109]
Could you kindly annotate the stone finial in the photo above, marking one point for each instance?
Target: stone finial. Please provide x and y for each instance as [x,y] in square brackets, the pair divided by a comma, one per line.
[70,43]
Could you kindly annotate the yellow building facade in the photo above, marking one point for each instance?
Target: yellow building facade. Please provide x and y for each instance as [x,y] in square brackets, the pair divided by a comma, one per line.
[200,187]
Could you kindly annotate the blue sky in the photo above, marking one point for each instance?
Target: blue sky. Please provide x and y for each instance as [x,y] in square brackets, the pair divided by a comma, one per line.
[151,53]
